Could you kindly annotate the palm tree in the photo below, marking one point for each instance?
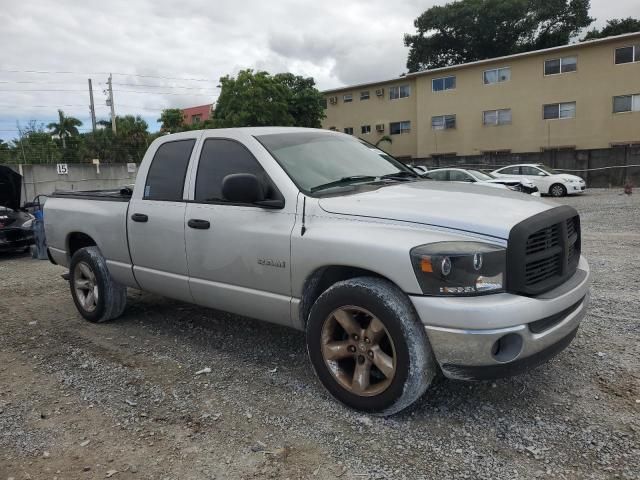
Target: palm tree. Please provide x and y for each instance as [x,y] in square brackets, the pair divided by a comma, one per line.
[66,127]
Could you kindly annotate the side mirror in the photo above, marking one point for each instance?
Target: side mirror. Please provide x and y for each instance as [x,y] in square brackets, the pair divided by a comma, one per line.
[246,188]
[242,188]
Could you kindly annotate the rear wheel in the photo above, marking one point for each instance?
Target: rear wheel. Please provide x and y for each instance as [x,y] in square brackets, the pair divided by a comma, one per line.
[557,190]
[97,296]
[368,347]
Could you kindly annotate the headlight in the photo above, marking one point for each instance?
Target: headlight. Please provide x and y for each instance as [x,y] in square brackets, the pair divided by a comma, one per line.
[28,223]
[459,268]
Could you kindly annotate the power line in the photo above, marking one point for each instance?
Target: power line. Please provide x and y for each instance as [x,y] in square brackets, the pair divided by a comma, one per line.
[50,72]
[127,91]
[33,82]
[141,107]
[160,86]
[40,106]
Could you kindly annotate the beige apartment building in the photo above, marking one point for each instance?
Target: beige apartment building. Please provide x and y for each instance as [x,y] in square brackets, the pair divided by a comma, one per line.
[579,96]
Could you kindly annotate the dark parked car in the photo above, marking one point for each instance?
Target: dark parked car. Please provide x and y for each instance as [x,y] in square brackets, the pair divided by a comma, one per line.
[15,224]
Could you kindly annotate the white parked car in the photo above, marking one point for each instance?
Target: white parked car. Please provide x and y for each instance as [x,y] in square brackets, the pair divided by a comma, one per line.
[519,184]
[548,181]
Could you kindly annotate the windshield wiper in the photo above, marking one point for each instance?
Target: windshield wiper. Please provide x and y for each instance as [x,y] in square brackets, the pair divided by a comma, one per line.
[344,181]
[402,174]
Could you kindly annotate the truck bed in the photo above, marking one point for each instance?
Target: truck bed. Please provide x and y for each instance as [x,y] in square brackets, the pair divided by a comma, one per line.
[112,195]
[98,214]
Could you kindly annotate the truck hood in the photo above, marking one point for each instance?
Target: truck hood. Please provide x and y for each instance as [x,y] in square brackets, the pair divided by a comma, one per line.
[10,187]
[468,208]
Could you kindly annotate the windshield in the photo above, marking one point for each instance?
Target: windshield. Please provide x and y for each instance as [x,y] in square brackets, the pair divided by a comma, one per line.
[315,159]
[549,170]
[480,175]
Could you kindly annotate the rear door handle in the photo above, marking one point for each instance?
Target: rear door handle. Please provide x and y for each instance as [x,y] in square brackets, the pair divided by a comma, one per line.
[199,224]
[139,217]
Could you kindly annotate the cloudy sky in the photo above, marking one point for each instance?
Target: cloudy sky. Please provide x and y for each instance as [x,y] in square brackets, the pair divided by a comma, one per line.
[168,53]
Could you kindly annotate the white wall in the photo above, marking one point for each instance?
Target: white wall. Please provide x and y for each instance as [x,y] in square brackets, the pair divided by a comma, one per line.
[44,179]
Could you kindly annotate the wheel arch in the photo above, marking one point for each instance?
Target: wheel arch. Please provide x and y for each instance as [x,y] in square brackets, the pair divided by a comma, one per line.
[77,240]
[322,278]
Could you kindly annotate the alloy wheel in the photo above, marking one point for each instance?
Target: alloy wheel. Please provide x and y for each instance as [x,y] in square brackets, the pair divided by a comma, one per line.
[86,287]
[358,350]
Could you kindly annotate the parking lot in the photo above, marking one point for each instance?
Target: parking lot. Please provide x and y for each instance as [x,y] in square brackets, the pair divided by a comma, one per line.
[123,400]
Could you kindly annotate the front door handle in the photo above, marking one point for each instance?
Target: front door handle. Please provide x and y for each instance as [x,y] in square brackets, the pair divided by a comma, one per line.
[139,217]
[199,224]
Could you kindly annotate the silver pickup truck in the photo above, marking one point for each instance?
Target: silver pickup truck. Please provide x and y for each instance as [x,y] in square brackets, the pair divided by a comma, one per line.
[393,278]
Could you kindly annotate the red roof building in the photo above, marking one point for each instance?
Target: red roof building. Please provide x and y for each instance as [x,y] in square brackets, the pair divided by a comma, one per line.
[194,115]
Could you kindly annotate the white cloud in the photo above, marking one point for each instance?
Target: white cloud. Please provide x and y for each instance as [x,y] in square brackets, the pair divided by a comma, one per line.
[336,42]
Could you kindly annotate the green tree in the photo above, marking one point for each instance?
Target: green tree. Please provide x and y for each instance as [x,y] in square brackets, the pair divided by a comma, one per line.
[5,152]
[305,102]
[470,30]
[259,99]
[172,120]
[35,145]
[614,27]
[66,127]
[128,145]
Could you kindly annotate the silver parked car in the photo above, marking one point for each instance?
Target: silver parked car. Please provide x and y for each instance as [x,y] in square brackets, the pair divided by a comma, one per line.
[392,278]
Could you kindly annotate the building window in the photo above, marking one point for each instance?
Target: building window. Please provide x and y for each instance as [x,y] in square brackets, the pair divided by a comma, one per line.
[364,95]
[560,65]
[443,122]
[444,83]
[196,118]
[626,103]
[323,102]
[397,128]
[347,98]
[348,130]
[402,91]
[559,110]
[365,129]
[628,54]
[497,117]
[497,75]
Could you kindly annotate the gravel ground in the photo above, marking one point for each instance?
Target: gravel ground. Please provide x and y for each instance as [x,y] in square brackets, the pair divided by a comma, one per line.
[123,400]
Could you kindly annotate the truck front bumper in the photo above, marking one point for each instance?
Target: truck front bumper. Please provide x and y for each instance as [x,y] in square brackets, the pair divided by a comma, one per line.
[492,336]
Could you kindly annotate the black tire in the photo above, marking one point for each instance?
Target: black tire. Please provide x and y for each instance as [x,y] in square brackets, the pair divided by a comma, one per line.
[557,190]
[415,365]
[112,296]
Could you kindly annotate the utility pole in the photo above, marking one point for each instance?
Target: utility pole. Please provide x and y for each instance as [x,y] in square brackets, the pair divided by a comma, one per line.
[110,103]
[92,107]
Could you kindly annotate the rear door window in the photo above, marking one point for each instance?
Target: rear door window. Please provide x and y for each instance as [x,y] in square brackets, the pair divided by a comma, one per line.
[457,176]
[165,179]
[510,171]
[440,175]
[219,158]
[531,171]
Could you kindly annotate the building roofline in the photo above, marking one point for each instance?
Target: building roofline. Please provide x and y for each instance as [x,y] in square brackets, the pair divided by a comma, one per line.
[459,66]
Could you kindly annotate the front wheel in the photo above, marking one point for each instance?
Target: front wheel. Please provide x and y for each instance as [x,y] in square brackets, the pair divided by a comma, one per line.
[557,190]
[368,347]
[97,296]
